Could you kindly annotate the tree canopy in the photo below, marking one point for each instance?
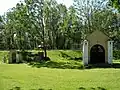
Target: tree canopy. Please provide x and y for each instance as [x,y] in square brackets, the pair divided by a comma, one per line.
[33,22]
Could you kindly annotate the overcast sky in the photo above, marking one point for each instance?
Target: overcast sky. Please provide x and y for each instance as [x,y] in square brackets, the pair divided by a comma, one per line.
[6,4]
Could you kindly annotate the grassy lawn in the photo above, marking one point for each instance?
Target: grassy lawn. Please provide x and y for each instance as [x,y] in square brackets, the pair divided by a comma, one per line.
[28,78]
[25,77]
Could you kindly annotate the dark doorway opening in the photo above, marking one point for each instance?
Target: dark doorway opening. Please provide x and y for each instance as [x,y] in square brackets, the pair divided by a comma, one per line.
[97,54]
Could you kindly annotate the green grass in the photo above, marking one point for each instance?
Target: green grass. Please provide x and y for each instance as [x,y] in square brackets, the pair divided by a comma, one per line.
[63,59]
[63,54]
[26,77]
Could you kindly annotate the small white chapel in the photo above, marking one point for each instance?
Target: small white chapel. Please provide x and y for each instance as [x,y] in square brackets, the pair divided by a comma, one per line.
[97,49]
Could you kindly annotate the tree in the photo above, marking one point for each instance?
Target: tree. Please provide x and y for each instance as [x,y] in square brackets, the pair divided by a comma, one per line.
[115,4]
[35,21]
[17,27]
[95,15]
[36,12]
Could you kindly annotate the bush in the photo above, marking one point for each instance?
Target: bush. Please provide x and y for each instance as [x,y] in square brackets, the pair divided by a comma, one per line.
[116,54]
[4,56]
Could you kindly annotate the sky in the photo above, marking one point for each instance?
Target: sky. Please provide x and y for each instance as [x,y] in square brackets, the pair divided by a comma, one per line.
[66,2]
[6,4]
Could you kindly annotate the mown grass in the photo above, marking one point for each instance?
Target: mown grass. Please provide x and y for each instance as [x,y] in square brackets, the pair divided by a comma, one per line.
[25,77]
[28,78]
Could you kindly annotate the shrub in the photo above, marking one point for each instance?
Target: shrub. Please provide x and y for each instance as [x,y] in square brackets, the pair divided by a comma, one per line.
[4,56]
[116,54]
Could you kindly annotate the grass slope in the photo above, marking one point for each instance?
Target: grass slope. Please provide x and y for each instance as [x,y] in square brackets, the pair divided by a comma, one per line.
[65,59]
[63,54]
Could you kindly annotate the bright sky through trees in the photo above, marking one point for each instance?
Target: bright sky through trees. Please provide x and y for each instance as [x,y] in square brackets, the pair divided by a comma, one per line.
[6,4]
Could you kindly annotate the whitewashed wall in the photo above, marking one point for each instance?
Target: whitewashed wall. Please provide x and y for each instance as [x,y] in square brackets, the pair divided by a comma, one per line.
[85,52]
[110,52]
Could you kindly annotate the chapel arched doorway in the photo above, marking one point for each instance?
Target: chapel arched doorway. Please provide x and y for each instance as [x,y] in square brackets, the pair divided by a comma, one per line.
[97,54]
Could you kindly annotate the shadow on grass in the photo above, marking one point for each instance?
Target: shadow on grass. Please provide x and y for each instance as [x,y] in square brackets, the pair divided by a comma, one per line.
[16,88]
[69,65]
[114,65]
[80,88]
[60,65]
[19,88]
[92,88]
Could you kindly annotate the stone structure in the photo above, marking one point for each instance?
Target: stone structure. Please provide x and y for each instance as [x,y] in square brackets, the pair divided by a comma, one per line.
[97,48]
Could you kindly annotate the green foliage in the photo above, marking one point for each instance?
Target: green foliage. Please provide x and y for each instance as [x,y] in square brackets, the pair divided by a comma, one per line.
[116,54]
[116,4]
[34,22]
[4,56]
